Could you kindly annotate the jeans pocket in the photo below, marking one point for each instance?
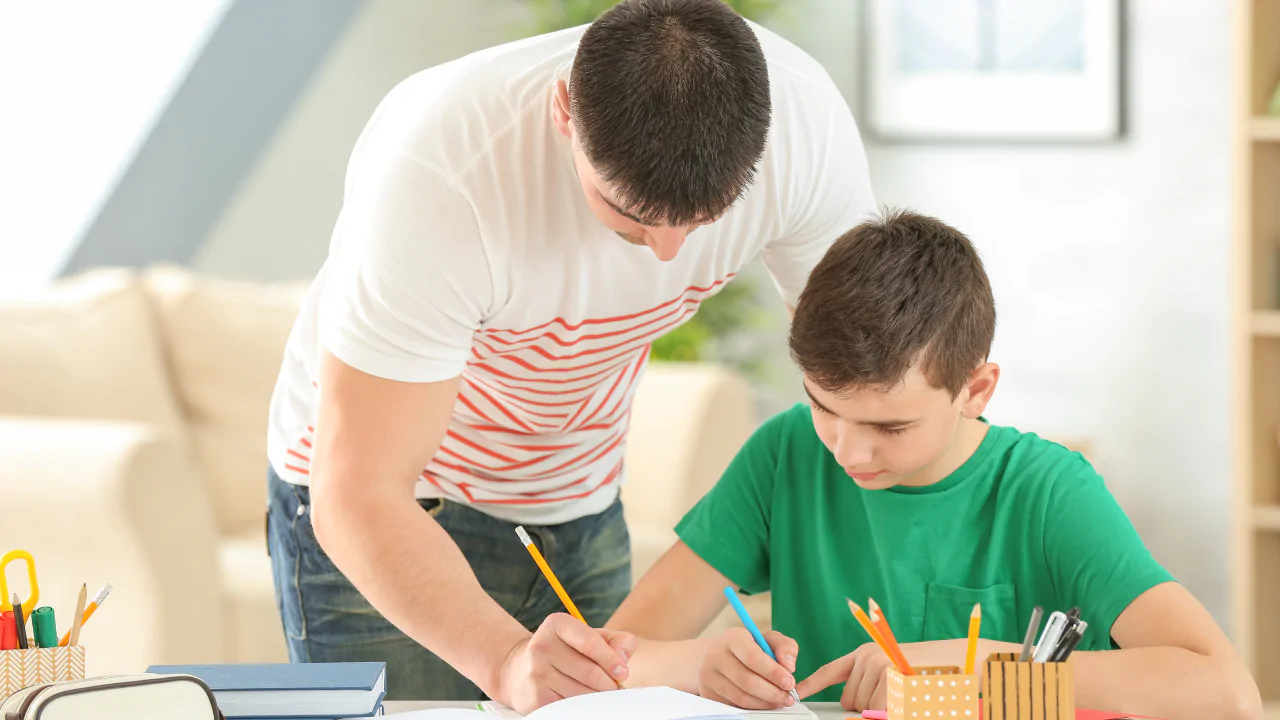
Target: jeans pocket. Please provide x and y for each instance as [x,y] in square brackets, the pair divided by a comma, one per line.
[433,506]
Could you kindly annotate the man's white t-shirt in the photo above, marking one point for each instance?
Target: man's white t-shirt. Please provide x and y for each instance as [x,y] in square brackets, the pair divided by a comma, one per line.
[465,247]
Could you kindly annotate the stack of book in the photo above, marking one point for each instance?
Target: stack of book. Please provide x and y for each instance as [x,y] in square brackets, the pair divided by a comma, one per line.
[304,691]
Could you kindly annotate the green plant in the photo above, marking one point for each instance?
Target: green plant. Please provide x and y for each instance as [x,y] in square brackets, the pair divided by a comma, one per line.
[732,309]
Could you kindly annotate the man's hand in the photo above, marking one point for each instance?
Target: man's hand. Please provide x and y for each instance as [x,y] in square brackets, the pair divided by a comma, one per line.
[562,659]
[863,673]
[736,671]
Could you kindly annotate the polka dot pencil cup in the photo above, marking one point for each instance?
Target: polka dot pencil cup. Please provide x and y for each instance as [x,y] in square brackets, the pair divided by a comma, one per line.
[933,693]
[1013,690]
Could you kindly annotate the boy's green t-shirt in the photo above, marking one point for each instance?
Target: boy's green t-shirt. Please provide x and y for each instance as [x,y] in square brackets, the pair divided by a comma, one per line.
[1023,522]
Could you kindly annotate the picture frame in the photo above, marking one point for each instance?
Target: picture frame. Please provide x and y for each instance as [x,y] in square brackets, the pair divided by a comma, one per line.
[994,70]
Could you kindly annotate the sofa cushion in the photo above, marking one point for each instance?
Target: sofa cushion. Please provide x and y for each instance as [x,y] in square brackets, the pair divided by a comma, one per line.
[255,632]
[224,341]
[85,348]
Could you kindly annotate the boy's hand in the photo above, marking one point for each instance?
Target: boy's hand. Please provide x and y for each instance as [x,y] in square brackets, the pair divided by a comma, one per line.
[736,671]
[863,673]
[562,659]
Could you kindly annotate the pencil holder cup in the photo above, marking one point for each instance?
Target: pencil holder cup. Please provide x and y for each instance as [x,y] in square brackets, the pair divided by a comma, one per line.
[36,666]
[1013,690]
[932,693]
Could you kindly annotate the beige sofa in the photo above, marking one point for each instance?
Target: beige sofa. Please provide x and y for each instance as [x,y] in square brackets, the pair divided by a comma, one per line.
[132,434]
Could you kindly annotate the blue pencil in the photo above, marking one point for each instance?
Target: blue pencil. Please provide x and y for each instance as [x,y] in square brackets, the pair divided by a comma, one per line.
[750,625]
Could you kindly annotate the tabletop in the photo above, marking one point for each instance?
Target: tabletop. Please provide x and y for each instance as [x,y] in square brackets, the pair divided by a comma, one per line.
[824,711]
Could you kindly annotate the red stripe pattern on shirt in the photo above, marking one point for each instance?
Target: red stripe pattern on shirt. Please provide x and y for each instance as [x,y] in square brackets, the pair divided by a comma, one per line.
[542,412]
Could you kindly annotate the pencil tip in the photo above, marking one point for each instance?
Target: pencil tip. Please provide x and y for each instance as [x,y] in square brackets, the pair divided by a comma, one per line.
[977,610]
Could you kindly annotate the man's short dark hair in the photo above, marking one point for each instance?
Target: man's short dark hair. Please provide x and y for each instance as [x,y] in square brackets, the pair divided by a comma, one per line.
[670,101]
[895,291]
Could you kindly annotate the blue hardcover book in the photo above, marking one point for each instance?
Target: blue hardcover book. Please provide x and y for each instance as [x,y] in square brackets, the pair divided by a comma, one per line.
[301,690]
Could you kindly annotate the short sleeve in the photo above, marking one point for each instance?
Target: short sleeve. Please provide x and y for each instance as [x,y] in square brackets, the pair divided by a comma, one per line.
[836,191]
[729,527]
[408,281]
[1095,557]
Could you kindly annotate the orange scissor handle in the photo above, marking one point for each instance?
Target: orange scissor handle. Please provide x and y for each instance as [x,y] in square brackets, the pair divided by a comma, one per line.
[6,597]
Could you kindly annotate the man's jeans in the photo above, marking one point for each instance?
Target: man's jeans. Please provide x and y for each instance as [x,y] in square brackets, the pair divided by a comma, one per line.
[327,620]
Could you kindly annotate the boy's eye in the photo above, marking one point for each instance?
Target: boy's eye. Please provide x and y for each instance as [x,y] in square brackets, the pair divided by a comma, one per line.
[818,407]
[892,430]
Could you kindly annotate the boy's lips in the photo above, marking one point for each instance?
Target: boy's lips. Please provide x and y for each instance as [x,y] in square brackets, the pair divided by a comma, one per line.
[864,476]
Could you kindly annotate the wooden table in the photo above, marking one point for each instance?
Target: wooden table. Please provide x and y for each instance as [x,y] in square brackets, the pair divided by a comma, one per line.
[824,711]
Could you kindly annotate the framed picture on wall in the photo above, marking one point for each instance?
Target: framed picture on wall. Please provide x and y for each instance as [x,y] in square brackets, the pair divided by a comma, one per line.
[994,70]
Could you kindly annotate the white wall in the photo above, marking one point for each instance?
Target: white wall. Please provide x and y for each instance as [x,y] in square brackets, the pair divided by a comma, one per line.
[1110,269]
[79,96]
[278,224]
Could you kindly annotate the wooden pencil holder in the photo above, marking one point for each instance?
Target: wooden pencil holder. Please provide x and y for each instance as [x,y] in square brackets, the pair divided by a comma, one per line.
[932,693]
[1013,690]
[36,666]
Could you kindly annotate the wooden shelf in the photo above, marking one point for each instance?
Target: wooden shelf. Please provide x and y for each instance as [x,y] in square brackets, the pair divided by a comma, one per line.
[1265,323]
[1266,129]
[1267,517]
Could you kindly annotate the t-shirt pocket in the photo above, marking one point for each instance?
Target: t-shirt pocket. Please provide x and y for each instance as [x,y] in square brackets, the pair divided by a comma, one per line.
[947,609]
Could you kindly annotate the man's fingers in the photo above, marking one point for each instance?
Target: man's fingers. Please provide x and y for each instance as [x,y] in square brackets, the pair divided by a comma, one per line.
[589,643]
[836,671]
[784,648]
[565,684]
[624,642]
[760,665]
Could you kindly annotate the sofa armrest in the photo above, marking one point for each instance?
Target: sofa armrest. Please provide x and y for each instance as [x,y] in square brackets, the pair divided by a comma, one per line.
[112,501]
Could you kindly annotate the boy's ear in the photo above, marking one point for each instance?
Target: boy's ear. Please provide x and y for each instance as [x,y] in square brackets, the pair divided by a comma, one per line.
[982,385]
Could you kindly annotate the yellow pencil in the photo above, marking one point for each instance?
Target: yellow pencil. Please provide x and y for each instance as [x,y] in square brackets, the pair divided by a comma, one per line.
[546,570]
[975,620]
[84,613]
[873,632]
[881,623]
[551,578]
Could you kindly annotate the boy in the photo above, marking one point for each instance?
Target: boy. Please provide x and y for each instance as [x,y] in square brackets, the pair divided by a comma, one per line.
[892,485]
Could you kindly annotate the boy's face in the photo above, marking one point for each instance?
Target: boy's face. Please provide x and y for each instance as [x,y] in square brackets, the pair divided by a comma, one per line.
[913,434]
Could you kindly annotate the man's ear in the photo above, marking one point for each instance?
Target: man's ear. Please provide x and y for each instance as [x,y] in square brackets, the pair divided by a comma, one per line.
[560,109]
[981,386]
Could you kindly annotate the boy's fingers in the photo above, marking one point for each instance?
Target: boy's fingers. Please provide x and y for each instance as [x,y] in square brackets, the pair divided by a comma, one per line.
[761,666]
[749,691]
[836,671]
[785,648]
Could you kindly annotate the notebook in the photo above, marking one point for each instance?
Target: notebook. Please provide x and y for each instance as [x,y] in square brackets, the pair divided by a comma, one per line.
[303,690]
[659,703]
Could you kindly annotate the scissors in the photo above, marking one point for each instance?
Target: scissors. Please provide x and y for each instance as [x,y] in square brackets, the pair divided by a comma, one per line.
[6,598]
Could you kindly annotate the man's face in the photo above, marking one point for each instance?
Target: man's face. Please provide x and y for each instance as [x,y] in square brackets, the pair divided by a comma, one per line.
[882,438]
[664,240]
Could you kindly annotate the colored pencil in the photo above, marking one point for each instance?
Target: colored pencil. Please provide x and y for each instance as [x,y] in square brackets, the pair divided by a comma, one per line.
[881,623]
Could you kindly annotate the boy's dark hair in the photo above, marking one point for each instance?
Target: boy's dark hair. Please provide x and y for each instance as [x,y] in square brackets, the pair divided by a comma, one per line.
[670,99]
[897,290]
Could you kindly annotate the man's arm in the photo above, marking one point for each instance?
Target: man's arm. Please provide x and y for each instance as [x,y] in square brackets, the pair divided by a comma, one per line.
[373,438]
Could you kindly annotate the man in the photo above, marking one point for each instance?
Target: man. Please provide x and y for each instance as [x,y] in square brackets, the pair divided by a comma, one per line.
[517,228]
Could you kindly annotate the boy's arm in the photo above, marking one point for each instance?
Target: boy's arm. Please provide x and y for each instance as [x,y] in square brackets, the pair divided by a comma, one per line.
[670,606]
[1175,663]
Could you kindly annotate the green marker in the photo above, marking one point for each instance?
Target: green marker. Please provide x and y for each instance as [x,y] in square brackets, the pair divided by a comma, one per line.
[45,627]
